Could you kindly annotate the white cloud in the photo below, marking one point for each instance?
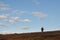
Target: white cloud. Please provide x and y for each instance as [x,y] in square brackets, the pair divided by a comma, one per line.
[36,2]
[25,27]
[3,17]
[26,20]
[40,15]
[18,12]
[23,11]
[3,7]
[14,20]
[15,11]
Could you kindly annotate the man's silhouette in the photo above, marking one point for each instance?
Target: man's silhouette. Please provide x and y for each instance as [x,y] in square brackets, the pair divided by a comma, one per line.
[42,29]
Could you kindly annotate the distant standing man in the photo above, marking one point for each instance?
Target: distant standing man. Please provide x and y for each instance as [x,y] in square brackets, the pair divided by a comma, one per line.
[42,29]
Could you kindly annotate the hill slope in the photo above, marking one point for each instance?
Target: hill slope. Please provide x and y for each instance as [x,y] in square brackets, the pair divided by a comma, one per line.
[52,35]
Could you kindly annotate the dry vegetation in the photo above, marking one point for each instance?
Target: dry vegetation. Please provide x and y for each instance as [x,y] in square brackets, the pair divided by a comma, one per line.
[54,35]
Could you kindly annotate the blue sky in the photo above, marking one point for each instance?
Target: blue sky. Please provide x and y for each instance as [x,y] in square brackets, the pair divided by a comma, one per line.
[23,16]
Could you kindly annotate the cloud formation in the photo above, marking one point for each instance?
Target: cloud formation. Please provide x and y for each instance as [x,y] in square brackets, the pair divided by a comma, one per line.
[7,17]
[25,27]
[18,12]
[3,7]
[40,15]
[17,19]
[36,2]
[3,17]
[14,20]
[26,20]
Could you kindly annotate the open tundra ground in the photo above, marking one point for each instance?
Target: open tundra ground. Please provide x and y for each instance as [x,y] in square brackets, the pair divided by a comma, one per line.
[51,35]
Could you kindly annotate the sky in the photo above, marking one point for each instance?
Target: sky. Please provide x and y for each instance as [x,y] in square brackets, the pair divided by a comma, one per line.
[24,16]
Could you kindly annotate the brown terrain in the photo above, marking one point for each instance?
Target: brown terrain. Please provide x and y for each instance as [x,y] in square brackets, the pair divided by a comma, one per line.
[51,35]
